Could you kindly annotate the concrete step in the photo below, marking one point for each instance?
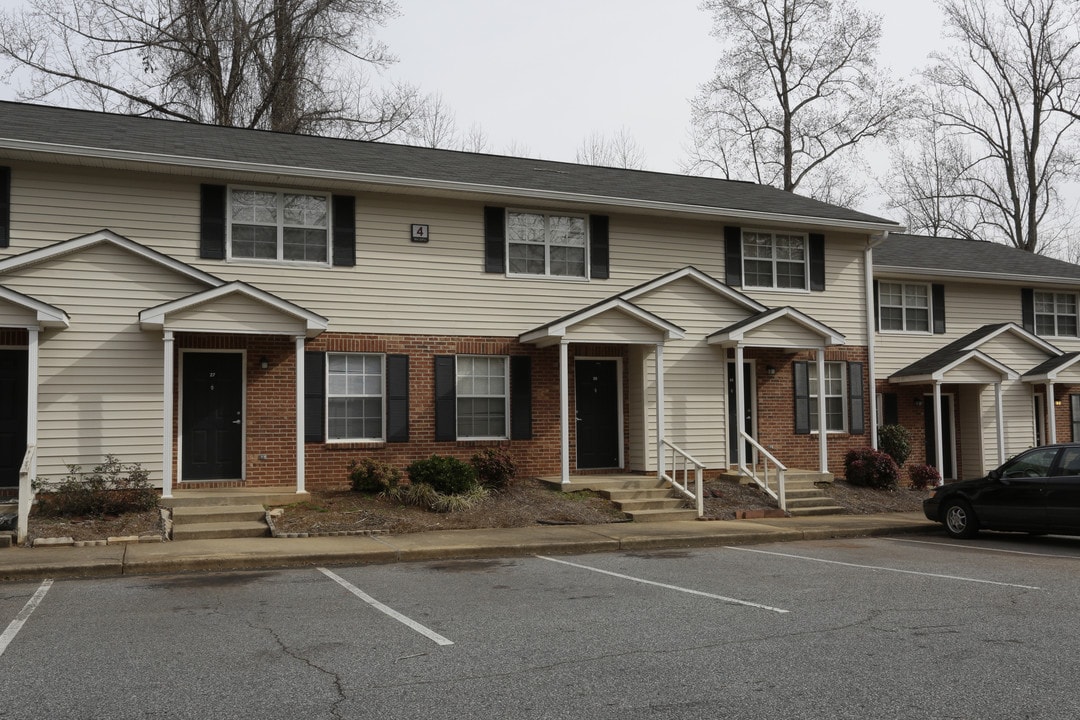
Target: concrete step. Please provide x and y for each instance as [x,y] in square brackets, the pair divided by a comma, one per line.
[217,513]
[662,515]
[820,510]
[233,496]
[806,502]
[220,530]
[607,482]
[624,495]
[632,506]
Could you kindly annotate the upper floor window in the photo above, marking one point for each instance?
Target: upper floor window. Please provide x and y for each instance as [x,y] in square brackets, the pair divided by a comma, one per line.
[546,244]
[904,307]
[279,225]
[354,396]
[774,260]
[835,401]
[483,399]
[1055,314]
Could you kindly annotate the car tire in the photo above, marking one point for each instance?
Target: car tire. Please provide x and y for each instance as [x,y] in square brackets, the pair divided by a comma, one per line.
[960,520]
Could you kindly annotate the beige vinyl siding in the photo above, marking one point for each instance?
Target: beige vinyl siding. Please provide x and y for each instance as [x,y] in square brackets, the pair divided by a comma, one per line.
[1018,409]
[613,326]
[969,423]
[100,380]
[637,407]
[1015,352]
[783,333]
[972,371]
[399,286]
[695,389]
[235,314]
[15,316]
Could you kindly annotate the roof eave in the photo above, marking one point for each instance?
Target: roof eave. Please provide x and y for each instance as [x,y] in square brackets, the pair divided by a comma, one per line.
[972,275]
[439,185]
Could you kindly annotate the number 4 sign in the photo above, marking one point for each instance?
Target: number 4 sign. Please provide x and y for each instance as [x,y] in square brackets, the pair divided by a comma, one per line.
[419,233]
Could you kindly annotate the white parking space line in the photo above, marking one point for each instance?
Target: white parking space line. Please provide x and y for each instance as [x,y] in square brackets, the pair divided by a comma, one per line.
[15,625]
[984,549]
[885,569]
[426,632]
[734,601]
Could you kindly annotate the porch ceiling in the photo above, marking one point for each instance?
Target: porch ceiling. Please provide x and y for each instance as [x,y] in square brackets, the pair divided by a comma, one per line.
[234,308]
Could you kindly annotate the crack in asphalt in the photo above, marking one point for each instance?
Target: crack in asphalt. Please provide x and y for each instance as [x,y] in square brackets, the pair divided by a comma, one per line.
[335,707]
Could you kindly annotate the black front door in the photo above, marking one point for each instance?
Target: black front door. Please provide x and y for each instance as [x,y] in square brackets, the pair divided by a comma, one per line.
[949,471]
[748,408]
[212,423]
[13,365]
[596,388]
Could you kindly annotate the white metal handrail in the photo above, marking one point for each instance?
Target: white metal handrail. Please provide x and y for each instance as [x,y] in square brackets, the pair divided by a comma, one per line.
[26,493]
[681,461]
[778,494]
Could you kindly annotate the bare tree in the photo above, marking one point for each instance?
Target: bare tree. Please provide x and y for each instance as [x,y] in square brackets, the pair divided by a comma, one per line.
[287,65]
[796,92]
[619,151]
[927,164]
[1009,91]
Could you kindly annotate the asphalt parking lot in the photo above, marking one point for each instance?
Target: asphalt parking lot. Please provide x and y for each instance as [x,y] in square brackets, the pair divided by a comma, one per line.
[904,627]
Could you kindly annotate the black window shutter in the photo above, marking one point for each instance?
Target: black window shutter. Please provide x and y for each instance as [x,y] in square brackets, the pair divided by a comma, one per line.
[314,396]
[212,222]
[397,398]
[877,311]
[521,397]
[494,239]
[445,398]
[856,412]
[5,207]
[802,398]
[344,230]
[817,262]
[599,260]
[890,409]
[1074,408]
[937,293]
[1027,308]
[733,255]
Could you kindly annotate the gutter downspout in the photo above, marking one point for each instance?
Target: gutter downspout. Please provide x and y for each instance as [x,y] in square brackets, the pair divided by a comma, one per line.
[871,332]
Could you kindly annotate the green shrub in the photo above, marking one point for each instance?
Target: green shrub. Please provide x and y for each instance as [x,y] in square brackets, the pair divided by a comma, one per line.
[924,476]
[373,476]
[424,496]
[895,441]
[445,474]
[112,488]
[871,468]
[494,468]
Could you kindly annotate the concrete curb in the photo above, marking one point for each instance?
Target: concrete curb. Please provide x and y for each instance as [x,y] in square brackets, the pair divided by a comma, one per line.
[270,553]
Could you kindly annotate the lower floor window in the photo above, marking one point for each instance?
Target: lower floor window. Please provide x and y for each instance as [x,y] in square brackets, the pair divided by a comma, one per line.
[354,396]
[482,397]
[834,398]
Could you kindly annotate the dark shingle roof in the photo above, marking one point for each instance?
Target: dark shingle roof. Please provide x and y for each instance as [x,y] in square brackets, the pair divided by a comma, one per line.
[949,353]
[20,123]
[1051,364]
[970,257]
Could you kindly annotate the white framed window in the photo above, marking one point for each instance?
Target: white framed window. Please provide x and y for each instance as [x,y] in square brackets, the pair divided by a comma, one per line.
[355,389]
[835,397]
[904,307]
[281,225]
[1055,314]
[546,244]
[774,260]
[483,396]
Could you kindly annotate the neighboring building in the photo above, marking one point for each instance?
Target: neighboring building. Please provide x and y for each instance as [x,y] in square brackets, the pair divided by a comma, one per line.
[992,332]
[247,308]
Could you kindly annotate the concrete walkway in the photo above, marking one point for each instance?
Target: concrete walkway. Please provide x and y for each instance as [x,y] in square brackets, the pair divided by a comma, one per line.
[19,563]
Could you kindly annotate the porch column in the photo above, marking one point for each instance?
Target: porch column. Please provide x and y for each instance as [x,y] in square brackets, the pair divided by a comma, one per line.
[660,411]
[1000,416]
[939,451]
[167,440]
[823,431]
[300,414]
[32,366]
[564,411]
[1050,412]
[740,409]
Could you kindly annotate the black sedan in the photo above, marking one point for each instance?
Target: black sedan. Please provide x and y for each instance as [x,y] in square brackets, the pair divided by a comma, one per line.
[1038,491]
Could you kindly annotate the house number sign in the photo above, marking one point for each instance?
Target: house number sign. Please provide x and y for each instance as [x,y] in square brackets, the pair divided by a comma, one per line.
[419,233]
